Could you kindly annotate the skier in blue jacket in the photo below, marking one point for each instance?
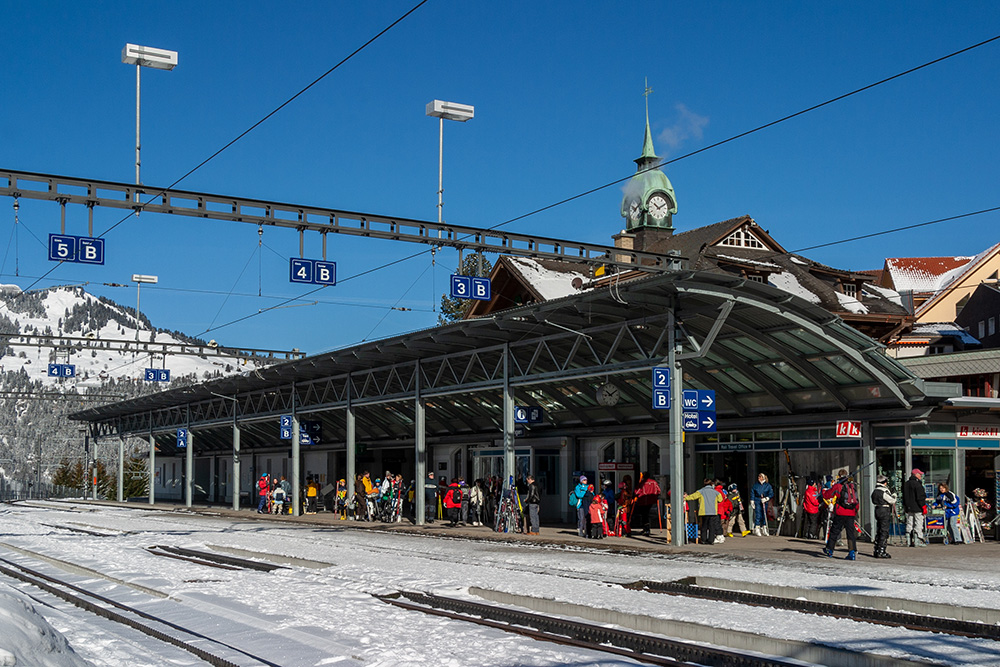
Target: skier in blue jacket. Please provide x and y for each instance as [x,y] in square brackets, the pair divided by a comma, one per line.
[581,512]
[762,493]
[949,501]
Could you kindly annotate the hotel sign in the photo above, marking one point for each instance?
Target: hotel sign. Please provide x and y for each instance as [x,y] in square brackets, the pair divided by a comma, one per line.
[977,431]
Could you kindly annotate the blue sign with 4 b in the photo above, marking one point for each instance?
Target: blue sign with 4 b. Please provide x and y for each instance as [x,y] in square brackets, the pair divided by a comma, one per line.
[312,271]
[61,370]
[79,249]
[182,438]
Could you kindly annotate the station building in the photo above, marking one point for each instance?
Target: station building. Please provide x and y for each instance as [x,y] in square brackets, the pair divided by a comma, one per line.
[791,348]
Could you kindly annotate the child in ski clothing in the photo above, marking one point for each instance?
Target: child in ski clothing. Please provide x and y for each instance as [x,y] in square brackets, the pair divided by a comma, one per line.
[810,509]
[623,501]
[884,501]
[598,514]
[762,493]
[262,489]
[453,502]
[576,500]
[949,501]
[342,498]
[736,515]
[845,511]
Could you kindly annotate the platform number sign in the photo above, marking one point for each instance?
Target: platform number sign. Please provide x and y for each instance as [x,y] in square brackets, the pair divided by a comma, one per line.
[61,370]
[312,271]
[467,287]
[285,427]
[182,438]
[157,375]
[848,429]
[78,249]
[661,388]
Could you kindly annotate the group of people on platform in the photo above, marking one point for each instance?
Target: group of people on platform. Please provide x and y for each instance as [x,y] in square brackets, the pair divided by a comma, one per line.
[274,495]
[609,511]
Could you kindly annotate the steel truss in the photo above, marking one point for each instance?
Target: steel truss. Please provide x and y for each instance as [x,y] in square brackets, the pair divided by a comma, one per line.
[127,196]
[205,350]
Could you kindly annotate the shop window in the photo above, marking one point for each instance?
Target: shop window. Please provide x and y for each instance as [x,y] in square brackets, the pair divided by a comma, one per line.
[937,466]
[547,473]
[889,462]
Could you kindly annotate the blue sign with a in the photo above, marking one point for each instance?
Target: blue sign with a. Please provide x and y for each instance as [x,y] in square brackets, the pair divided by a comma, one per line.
[61,370]
[182,438]
[661,378]
[80,249]
[661,399]
[689,421]
[157,375]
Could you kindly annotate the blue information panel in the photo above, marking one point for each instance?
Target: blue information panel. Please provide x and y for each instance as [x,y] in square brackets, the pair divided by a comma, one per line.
[520,415]
[79,249]
[661,399]
[157,375]
[182,438]
[285,427]
[661,378]
[312,271]
[698,422]
[61,370]
[304,438]
[467,287]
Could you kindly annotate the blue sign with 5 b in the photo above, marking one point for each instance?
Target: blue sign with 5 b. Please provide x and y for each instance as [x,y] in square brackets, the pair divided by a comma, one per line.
[79,249]
[182,438]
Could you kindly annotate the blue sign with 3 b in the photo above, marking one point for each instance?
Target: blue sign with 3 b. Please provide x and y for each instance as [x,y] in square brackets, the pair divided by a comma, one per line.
[79,249]
[157,375]
[467,287]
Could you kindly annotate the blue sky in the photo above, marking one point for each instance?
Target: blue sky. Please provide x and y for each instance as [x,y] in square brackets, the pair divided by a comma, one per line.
[559,109]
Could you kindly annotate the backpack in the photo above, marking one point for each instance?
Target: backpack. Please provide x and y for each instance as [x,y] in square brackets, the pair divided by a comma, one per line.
[848,498]
[456,495]
[573,500]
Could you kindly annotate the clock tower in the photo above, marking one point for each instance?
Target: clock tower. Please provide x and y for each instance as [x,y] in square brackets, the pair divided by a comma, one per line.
[649,202]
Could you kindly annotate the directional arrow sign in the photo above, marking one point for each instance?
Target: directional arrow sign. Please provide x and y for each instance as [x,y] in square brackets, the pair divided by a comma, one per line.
[706,400]
[689,421]
[706,421]
[690,399]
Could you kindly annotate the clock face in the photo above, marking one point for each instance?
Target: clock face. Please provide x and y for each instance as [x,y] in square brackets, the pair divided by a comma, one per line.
[658,207]
[633,211]
[608,394]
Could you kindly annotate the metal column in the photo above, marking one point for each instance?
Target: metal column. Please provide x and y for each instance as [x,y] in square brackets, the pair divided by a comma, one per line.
[420,455]
[121,469]
[677,517]
[351,444]
[236,464]
[152,467]
[907,452]
[189,470]
[296,464]
[508,421]
[868,474]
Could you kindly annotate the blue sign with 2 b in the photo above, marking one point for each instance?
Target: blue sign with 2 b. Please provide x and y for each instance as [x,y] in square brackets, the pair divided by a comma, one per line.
[468,287]
[61,370]
[312,271]
[285,427]
[157,375]
[79,249]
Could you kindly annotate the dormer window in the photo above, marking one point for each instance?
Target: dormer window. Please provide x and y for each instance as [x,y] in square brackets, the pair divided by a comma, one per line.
[743,238]
[851,290]
[756,277]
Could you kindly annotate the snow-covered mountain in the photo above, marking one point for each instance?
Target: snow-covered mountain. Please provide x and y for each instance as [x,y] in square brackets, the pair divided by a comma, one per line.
[67,325]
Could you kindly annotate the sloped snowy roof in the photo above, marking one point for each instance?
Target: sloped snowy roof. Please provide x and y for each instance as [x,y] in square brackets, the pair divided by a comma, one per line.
[787,281]
[924,274]
[944,330]
[851,304]
[550,283]
[884,292]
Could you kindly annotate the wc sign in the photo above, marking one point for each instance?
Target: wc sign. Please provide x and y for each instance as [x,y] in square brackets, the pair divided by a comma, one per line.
[846,429]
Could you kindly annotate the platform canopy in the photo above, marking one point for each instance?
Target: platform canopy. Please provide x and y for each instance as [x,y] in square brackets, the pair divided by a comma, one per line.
[771,357]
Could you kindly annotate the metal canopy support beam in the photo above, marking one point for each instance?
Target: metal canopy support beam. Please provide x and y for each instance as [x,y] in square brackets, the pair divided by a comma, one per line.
[351,444]
[677,516]
[296,464]
[48,187]
[121,468]
[508,421]
[236,464]
[152,468]
[189,469]
[420,453]
[706,345]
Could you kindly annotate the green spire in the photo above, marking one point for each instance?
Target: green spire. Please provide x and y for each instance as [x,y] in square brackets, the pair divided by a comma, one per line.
[647,145]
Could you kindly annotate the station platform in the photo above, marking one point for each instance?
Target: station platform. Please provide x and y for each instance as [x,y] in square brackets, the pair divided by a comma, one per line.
[978,556]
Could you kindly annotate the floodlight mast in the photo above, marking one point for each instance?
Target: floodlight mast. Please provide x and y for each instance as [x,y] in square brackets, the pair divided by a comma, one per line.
[145,56]
[446,111]
[139,279]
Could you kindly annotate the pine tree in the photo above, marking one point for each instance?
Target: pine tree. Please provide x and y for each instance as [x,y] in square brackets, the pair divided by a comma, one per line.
[453,310]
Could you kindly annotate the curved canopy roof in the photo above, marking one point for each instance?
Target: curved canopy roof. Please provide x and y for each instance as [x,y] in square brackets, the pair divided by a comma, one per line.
[765,352]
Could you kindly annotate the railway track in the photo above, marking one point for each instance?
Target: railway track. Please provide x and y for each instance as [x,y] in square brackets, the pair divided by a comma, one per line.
[861,614]
[210,559]
[146,623]
[640,647]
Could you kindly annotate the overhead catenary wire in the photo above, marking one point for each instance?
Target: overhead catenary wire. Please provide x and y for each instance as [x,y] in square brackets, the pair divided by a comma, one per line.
[272,113]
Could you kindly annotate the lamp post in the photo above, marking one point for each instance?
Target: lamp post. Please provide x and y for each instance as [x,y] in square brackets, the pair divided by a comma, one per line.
[139,279]
[446,111]
[145,56]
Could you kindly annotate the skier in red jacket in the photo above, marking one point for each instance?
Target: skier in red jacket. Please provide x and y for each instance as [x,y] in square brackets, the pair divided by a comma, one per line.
[810,508]
[845,511]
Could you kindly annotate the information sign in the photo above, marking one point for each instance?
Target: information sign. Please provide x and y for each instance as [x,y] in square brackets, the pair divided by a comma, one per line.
[535,414]
[467,287]
[79,249]
[182,438]
[661,399]
[481,289]
[661,378]
[285,427]
[847,429]
[520,415]
[312,271]
[157,375]
[61,370]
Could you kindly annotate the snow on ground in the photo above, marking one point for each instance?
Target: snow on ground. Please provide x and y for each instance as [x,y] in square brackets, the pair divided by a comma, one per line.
[28,640]
[305,616]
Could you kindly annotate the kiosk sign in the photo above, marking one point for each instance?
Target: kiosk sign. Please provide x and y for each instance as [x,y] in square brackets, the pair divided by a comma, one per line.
[846,429]
[977,431]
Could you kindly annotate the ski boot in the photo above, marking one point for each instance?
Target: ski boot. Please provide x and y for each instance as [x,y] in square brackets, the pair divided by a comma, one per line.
[756,531]
[882,554]
[851,555]
[828,552]
[745,533]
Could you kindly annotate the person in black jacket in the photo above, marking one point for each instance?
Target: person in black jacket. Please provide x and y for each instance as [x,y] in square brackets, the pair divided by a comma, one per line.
[914,504]
[883,500]
[532,501]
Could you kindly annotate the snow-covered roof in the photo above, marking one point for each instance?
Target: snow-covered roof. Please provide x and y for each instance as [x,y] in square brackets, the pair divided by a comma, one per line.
[925,274]
[548,282]
[884,292]
[944,330]
[787,281]
[743,260]
[851,304]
